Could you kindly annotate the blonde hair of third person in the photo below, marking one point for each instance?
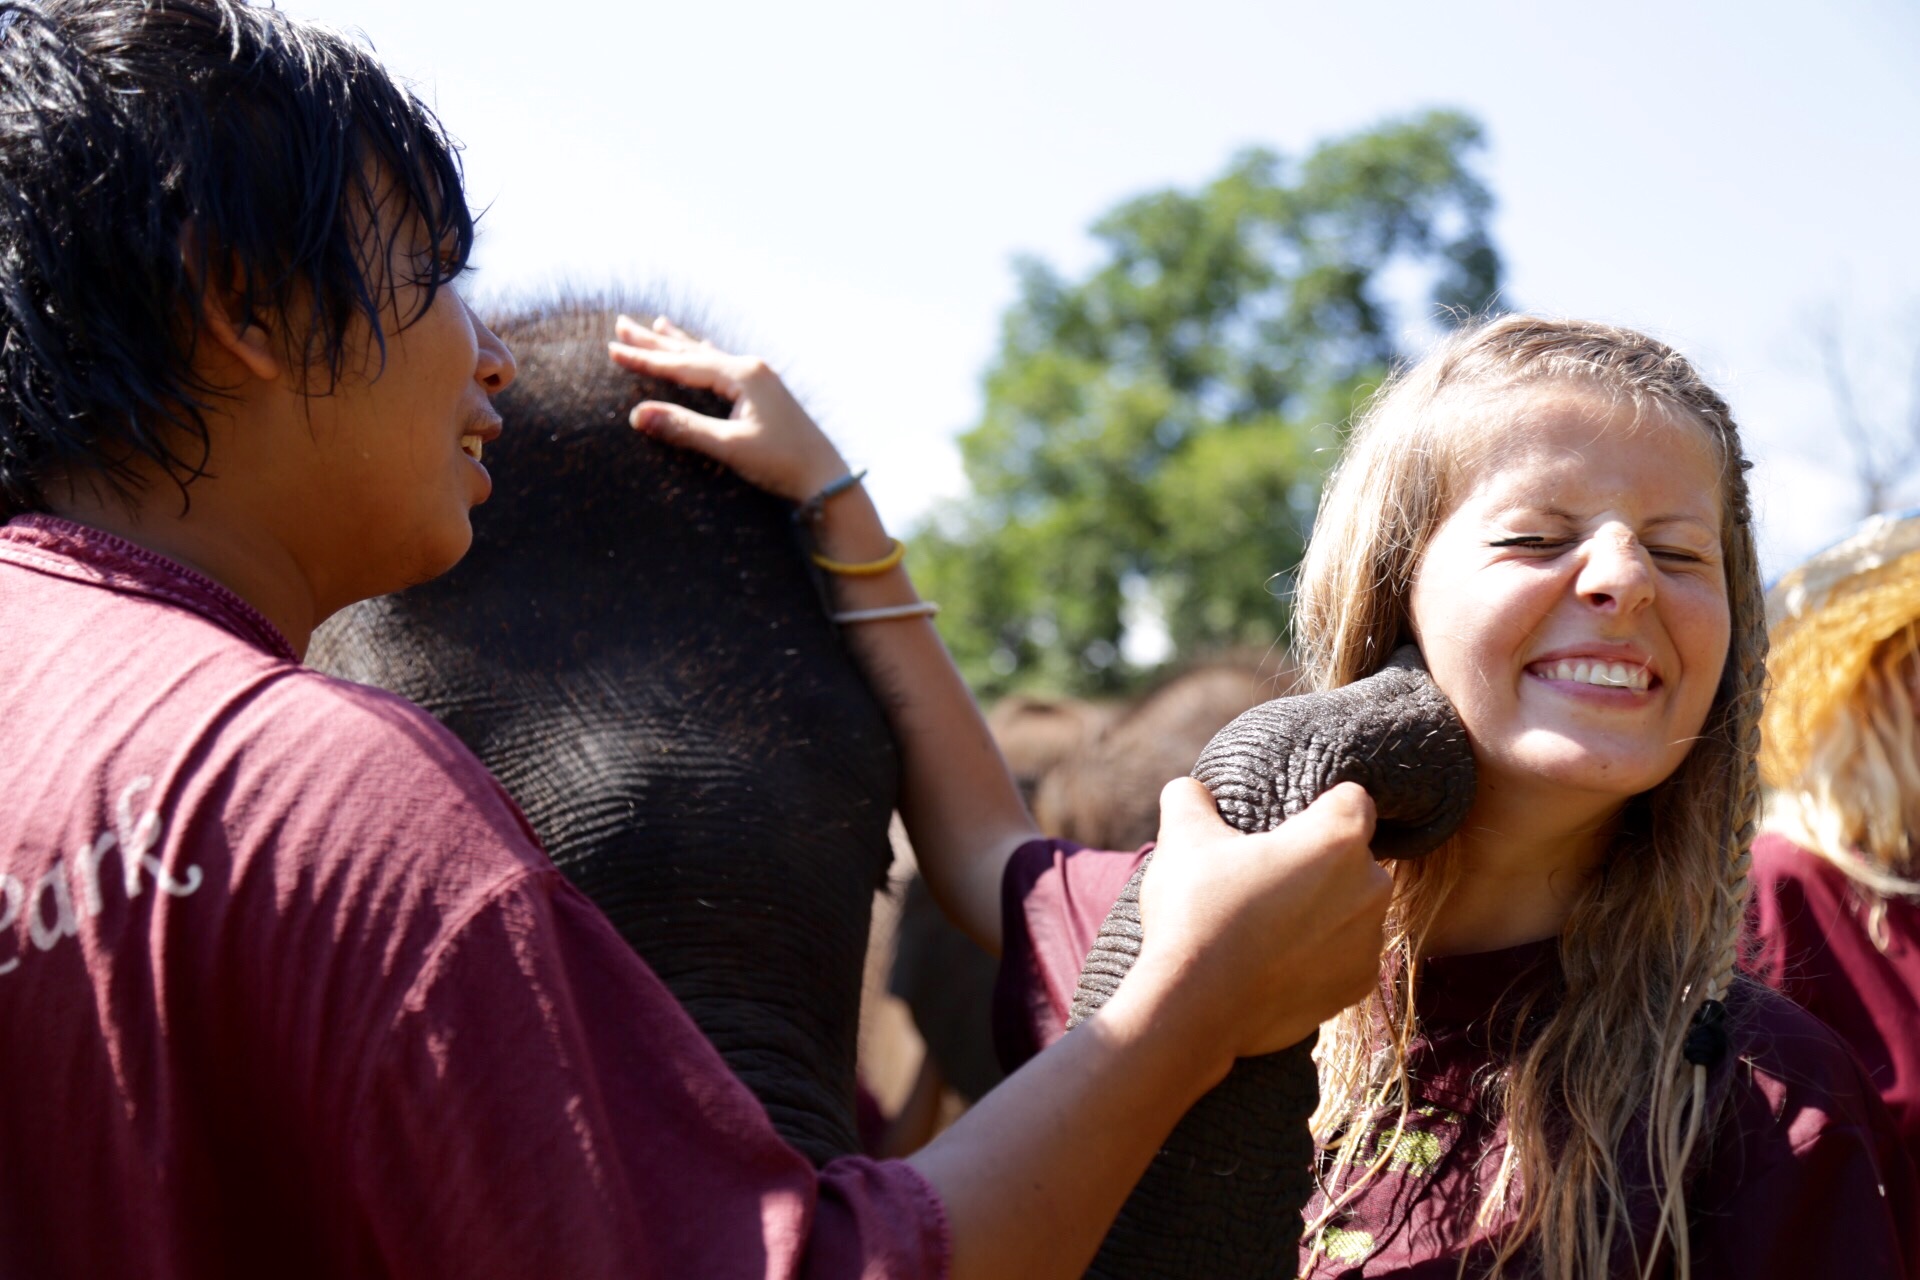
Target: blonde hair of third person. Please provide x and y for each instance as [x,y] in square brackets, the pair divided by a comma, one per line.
[1840,742]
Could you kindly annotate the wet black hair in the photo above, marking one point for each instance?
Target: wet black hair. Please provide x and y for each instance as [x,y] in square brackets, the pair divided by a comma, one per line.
[150,148]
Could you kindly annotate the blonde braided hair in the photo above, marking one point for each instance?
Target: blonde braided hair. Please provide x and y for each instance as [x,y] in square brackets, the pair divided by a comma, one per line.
[1651,941]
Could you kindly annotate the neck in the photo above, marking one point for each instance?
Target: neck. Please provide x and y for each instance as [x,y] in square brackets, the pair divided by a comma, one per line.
[1524,860]
[209,538]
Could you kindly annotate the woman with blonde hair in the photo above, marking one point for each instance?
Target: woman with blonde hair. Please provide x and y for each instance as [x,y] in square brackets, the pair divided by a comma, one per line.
[1561,1072]
[1557,512]
[1837,873]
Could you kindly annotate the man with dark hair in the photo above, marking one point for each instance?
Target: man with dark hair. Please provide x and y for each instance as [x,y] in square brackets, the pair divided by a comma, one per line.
[286,985]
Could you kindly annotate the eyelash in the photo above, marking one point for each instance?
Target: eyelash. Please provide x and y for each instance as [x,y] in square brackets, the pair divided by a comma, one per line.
[1534,542]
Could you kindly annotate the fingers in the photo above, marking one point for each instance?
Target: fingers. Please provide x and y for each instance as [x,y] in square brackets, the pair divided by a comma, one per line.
[1340,824]
[768,438]
[1187,812]
[1344,812]
[692,366]
[667,351]
[661,333]
[681,426]
[1288,923]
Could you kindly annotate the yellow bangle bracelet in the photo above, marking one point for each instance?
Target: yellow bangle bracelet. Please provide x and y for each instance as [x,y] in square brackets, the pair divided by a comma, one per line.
[870,569]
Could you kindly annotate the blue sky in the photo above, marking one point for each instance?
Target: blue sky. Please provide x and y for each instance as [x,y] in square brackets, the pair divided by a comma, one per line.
[842,186]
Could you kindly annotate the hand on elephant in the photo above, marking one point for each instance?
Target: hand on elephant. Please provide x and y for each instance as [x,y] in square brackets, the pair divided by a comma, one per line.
[1266,935]
[769,440]
[962,810]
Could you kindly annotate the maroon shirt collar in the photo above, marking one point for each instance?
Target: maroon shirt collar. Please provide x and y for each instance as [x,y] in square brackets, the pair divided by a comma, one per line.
[1474,1009]
[82,553]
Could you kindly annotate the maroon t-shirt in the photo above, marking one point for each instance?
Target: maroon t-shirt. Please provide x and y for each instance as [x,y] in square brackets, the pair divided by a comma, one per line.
[1806,1176]
[1813,946]
[288,988]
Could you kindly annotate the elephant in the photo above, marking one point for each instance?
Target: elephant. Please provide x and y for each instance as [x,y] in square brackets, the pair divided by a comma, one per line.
[636,647]
[1035,734]
[1223,1197]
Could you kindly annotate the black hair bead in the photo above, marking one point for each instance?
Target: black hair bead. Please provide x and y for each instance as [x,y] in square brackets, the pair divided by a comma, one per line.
[1706,1041]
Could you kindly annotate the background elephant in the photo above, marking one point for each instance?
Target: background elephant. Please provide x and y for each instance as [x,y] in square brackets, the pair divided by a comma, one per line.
[637,649]
[1106,793]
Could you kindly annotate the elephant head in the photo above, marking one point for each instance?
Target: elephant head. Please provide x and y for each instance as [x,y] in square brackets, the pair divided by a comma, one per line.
[636,648]
[1224,1195]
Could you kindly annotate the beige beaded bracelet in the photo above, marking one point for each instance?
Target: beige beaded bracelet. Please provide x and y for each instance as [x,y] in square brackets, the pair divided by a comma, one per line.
[918,609]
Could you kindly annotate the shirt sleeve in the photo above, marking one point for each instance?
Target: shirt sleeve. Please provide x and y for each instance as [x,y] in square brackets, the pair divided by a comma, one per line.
[1812,945]
[1809,1177]
[1794,917]
[1842,1203]
[1054,896]
[542,1106]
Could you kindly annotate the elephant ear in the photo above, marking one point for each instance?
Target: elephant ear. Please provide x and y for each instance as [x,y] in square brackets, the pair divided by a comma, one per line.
[1224,1196]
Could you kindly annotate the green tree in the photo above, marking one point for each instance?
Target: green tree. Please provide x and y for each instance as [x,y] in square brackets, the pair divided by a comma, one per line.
[1163,424]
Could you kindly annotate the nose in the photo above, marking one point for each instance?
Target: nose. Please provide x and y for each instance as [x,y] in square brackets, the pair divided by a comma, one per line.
[1616,575]
[496,368]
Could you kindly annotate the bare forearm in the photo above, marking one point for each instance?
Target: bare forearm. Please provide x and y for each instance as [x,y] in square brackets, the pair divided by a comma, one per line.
[1034,1174]
[961,808]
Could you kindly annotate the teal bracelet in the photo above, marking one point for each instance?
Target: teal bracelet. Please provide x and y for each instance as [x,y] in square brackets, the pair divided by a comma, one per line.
[812,509]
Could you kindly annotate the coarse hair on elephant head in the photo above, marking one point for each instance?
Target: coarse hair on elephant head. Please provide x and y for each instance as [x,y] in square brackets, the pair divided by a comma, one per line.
[636,647]
[1106,794]
[1659,931]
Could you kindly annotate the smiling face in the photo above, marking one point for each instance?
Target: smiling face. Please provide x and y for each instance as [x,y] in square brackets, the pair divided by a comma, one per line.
[1573,603]
[395,446]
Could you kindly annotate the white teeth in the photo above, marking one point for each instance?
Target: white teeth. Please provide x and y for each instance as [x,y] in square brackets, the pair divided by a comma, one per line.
[471,446]
[1608,675]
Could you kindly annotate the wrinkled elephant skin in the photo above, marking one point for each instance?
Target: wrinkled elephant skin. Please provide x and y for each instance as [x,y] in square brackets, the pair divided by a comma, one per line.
[636,648]
[1224,1196]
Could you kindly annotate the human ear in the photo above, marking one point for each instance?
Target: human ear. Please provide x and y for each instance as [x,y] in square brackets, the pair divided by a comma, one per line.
[249,343]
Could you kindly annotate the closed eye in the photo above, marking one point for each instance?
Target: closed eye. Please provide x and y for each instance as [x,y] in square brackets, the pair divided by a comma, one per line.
[1531,541]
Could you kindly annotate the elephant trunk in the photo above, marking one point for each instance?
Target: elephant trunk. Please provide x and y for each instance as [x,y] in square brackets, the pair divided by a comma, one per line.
[1224,1195]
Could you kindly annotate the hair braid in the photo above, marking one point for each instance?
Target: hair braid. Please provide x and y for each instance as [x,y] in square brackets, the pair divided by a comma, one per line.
[1746,686]
[1745,682]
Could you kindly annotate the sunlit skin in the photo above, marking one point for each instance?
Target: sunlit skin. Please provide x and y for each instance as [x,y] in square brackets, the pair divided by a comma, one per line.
[316,501]
[1588,536]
